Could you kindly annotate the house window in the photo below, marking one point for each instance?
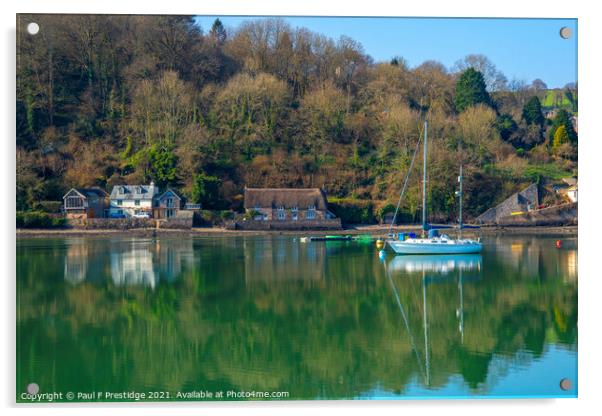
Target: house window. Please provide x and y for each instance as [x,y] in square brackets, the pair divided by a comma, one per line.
[281,213]
[295,213]
[311,212]
[170,213]
[74,202]
[170,202]
[120,202]
[137,202]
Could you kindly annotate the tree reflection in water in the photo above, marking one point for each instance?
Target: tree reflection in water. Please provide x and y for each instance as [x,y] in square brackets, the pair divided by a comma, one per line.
[321,320]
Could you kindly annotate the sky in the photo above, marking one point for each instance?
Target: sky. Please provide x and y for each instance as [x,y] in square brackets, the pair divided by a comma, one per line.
[523,49]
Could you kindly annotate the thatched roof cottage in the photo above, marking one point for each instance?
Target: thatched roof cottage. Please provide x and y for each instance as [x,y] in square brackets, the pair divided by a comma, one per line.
[287,204]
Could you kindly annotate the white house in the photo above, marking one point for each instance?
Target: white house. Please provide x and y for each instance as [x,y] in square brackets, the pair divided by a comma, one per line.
[133,200]
[572,193]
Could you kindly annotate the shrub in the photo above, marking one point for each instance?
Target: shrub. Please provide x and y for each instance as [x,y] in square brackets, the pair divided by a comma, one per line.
[48,206]
[384,210]
[249,215]
[37,219]
[211,218]
[226,215]
[353,211]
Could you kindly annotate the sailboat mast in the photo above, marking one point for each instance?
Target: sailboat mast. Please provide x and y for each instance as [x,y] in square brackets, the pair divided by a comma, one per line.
[460,179]
[424,226]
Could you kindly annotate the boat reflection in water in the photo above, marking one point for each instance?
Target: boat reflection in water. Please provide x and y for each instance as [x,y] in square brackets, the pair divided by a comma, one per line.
[439,263]
[433,269]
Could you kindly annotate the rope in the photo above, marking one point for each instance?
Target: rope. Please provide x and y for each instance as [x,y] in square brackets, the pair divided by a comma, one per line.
[405,183]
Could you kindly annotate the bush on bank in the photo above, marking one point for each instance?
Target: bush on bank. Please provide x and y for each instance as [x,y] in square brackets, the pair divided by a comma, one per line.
[38,219]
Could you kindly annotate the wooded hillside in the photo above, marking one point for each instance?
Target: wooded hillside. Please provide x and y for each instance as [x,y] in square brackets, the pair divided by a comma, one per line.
[105,100]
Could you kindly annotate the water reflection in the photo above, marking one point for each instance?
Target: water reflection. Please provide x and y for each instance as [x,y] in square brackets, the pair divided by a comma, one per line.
[435,263]
[143,262]
[432,269]
[256,313]
[281,259]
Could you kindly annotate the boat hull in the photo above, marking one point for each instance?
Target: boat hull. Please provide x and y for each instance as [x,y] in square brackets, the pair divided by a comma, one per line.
[405,247]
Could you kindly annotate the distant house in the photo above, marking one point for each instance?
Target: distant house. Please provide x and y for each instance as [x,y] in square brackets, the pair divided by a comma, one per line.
[167,205]
[133,200]
[571,193]
[567,189]
[287,204]
[520,202]
[83,203]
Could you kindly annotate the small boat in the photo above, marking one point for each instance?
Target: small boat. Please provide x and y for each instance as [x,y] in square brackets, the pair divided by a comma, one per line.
[332,238]
[435,244]
[363,238]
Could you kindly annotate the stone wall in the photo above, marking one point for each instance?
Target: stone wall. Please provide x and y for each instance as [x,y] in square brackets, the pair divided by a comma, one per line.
[326,224]
[112,223]
[565,214]
[179,222]
[183,220]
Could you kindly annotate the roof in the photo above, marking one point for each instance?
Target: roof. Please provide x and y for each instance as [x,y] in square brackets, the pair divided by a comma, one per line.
[168,190]
[570,181]
[287,197]
[134,191]
[88,192]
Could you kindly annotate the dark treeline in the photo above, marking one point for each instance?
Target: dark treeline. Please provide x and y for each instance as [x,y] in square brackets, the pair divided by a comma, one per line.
[103,100]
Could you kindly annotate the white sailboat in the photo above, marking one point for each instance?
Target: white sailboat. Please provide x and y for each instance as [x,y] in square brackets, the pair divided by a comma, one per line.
[435,243]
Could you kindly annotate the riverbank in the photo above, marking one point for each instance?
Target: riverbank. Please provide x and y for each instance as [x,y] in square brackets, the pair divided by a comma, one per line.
[375,230]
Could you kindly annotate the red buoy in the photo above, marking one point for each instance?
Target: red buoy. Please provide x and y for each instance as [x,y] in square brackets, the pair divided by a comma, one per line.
[558,243]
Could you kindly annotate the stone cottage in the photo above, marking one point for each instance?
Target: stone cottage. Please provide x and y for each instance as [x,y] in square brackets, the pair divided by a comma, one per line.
[284,204]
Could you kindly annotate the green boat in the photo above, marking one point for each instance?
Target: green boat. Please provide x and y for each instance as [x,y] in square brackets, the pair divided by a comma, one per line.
[332,238]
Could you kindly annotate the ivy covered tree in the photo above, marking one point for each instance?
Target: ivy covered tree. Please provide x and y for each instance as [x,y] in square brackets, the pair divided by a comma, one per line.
[471,90]
[156,163]
[205,190]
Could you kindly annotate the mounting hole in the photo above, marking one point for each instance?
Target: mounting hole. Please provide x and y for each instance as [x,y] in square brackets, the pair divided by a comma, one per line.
[565,384]
[33,388]
[565,32]
[33,28]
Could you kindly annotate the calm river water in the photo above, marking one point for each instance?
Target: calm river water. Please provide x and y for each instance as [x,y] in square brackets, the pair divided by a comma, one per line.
[179,318]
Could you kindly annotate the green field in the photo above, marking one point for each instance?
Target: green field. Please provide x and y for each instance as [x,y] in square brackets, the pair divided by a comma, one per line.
[560,99]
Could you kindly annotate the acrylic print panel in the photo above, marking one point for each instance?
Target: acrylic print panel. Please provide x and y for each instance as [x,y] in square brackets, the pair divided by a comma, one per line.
[212,208]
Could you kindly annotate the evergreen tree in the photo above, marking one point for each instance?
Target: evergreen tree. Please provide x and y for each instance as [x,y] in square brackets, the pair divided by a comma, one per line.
[563,119]
[506,126]
[532,112]
[471,90]
[218,32]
